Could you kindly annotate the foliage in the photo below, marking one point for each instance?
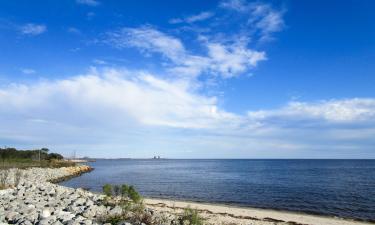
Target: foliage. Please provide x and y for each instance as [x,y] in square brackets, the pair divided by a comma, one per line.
[107,190]
[13,158]
[12,153]
[129,200]
[134,195]
[52,156]
[134,210]
[124,190]
[116,190]
[192,216]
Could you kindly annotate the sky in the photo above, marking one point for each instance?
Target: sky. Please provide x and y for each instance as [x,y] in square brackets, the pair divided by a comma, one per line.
[192,79]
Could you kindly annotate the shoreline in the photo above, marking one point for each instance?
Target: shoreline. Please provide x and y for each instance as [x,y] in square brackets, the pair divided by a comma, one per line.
[242,214]
[239,206]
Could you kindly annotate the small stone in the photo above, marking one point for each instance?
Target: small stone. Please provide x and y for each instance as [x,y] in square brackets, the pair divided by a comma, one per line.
[46,213]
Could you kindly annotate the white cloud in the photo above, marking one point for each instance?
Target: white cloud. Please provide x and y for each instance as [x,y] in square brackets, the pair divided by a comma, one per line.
[27,71]
[333,111]
[148,39]
[262,17]
[234,59]
[88,2]
[125,95]
[266,19]
[33,29]
[226,60]
[141,113]
[193,18]
[238,5]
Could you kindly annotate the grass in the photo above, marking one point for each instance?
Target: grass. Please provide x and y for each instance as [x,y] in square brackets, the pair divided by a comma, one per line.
[28,163]
[134,210]
[192,217]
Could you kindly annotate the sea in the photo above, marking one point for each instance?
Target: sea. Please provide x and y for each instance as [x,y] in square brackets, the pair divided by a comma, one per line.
[341,188]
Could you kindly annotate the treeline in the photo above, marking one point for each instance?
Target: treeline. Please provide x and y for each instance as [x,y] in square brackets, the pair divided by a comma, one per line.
[42,154]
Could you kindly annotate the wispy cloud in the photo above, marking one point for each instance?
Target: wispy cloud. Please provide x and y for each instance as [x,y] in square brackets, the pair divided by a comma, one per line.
[193,18]
[225,59]
[27,71]
[33,29]
[88,2]
[74,30]
[148,39]
[99,62]
[262,17]
[347,111]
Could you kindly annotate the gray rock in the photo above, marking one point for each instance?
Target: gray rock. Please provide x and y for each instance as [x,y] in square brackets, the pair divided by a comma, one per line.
[64,216]
[117,210]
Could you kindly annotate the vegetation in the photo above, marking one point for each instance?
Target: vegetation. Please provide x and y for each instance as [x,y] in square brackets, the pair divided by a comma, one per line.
[192,216]
[129,200]
[13,158]
[134,210]
[107,190]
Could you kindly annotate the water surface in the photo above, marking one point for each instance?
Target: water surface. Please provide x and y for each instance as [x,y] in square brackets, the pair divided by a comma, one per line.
[344,188]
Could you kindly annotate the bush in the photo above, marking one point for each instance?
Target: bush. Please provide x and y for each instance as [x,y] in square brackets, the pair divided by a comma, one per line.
[192,216]
[117,190]
[54,156]
[124,190]
[107,190]
[134,195]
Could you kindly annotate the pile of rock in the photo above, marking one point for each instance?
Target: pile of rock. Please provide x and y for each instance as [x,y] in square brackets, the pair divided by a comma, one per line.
[34,200]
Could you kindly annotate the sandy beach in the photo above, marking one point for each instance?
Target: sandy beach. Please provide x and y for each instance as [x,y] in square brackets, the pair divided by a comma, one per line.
[225,214]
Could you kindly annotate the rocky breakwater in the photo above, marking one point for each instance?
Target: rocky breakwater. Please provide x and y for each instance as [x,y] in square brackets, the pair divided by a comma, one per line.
[32,199]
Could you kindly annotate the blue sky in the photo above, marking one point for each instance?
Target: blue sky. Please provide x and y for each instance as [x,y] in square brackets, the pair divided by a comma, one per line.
[202,79]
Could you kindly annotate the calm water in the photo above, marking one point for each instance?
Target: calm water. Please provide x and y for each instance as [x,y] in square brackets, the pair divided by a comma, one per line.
[344,188]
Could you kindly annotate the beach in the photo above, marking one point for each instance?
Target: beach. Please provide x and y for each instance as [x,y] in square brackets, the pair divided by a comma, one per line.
[225,214]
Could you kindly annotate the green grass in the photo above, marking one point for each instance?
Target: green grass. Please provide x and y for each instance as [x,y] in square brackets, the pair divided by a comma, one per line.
[192,216]
[28,163]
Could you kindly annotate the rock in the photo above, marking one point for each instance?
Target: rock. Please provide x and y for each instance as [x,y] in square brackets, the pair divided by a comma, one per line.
[43,222]
[80,202]
[57,223]
[46,213]
[124,223]
[11,216]
[36,201]
[117,210]
[65,216]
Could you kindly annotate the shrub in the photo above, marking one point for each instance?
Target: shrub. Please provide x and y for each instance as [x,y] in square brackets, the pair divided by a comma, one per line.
[54,156]
[192,216]
[117,190]
[124,190]
[107,190]
[134,195]
[133,210]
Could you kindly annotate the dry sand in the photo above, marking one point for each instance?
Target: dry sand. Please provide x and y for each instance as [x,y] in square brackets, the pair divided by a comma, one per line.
[225,214]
